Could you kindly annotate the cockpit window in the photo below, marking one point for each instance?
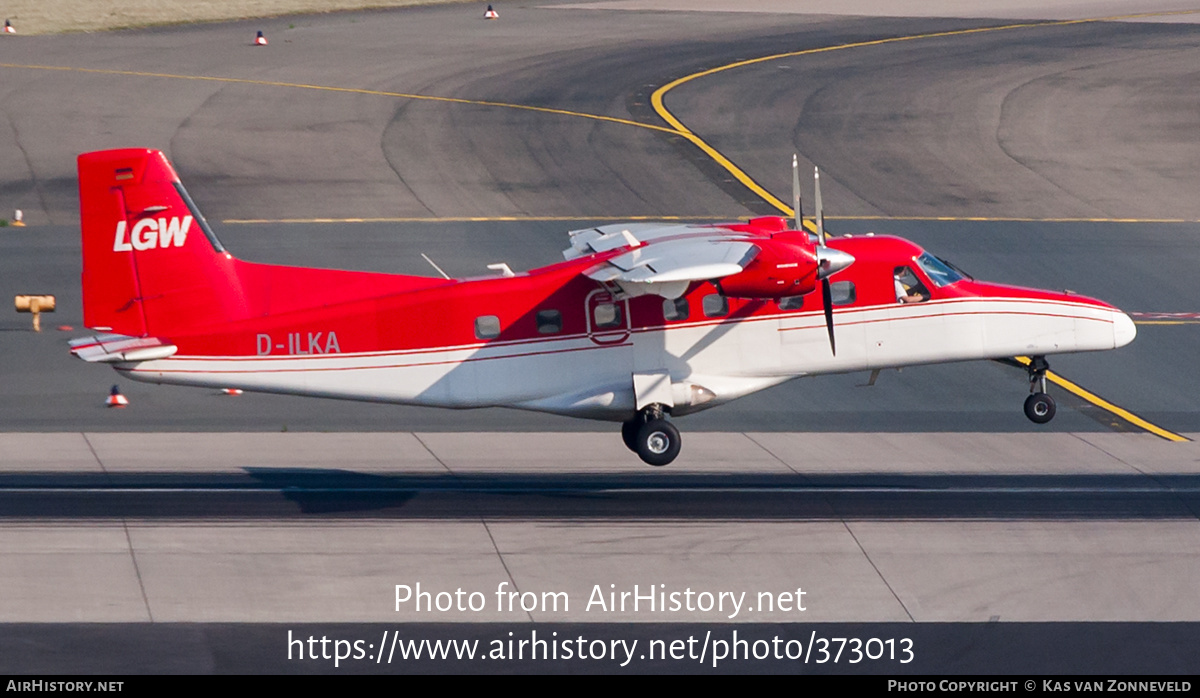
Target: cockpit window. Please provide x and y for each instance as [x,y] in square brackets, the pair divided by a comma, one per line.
[940,273]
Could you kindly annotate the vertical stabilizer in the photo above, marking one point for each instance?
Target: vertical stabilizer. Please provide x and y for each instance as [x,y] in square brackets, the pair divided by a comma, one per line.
[151,264]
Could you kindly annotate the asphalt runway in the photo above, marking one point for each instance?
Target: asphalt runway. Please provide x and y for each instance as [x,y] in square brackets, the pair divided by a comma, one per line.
[927,497]
[254,527]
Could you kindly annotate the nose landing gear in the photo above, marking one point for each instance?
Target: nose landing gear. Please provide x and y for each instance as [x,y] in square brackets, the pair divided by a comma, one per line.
[652,436]
[1039,406]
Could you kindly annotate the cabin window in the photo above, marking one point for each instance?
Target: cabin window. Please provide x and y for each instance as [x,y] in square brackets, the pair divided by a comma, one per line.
[842,292]
[487,327]
[909,288]
[715,305]
[549,321]
[606,315]
[675,309]
[791,302]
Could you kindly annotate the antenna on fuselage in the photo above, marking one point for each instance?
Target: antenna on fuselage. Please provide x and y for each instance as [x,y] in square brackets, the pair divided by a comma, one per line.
[797,209]
[439,269]
[820,210]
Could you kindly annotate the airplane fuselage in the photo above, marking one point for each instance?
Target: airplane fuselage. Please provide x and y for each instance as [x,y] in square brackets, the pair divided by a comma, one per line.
[556,341]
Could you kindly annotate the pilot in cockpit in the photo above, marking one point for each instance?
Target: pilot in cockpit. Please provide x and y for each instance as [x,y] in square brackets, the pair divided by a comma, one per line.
[909,288]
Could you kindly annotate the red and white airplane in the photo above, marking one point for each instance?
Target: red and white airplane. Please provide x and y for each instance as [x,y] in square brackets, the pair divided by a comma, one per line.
[641,322]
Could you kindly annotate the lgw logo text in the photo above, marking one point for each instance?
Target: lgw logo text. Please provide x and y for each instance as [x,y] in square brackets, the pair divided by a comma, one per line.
[149,233]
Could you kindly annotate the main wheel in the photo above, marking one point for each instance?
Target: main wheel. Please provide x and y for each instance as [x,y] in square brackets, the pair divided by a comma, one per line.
[1040,408]
[658,442]
[629,433]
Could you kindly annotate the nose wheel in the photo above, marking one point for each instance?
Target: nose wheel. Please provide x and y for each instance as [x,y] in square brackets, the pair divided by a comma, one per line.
[1039,406]
[652,436]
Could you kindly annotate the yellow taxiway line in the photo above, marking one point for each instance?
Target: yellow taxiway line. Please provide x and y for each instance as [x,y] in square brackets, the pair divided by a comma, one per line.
[473,219]
[1008,219]
[1106,405]
[657,100]
[349,90]
[808,221]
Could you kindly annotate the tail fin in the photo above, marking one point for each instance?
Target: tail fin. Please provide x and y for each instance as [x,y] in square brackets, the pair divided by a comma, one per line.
[151,264]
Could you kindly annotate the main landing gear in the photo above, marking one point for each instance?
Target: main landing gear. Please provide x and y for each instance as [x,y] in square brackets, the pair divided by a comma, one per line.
[1039,406]
[652,436]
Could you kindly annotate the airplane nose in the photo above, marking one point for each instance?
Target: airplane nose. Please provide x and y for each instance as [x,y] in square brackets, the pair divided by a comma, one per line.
[1123,330]
[831,261]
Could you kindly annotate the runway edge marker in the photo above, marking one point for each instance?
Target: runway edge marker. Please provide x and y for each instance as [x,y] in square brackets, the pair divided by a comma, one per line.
[116,399]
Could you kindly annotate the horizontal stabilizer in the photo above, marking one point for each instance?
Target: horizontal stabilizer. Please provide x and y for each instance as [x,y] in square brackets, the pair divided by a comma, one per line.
[119,348]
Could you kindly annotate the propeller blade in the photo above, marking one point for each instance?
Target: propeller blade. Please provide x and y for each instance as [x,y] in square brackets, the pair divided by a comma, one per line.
[820,210]
[796,207]
[829,261]
[827,296]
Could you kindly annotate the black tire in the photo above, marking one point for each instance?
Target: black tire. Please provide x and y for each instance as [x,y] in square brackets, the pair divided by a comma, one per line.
[1040,408]
[629,433]
[658,442]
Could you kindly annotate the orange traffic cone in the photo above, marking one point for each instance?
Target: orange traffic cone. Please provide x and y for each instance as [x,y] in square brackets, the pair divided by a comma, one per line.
[260,40]
[490,14]
[8,27]
[116,399]
[18,219]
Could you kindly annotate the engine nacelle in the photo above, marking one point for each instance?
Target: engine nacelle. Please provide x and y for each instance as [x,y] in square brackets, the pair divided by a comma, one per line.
[786,265]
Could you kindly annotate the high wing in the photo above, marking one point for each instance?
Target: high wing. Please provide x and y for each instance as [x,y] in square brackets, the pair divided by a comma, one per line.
[663,259]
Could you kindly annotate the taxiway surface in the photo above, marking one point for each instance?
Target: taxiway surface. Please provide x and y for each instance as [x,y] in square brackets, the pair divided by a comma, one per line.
[926,497]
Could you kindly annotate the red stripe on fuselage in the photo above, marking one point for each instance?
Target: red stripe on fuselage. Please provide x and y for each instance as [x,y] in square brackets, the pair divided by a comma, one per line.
[443,316]
[361,368]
